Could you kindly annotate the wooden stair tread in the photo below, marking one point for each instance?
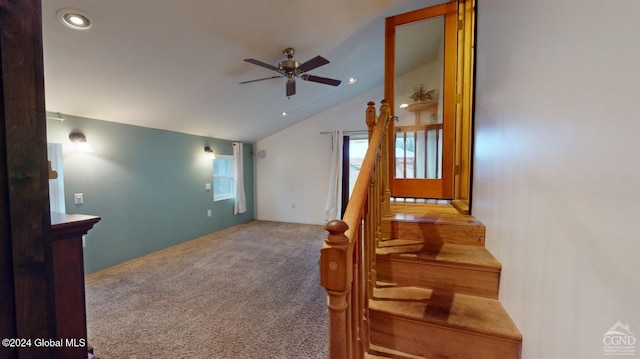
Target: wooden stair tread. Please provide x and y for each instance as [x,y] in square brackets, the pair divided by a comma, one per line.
[480,315]
[376,351]
[434,227]
[423,208]
[436,218]
[429,213]
[444,253]
[398,242]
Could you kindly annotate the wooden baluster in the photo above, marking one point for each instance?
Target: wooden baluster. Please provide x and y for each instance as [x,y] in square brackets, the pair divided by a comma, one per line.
[368,247]
[385,114]
[369,250]
[404,155]
[336,276]
[374,237]
[358,303]
[437,152]
[369,238]
[415,154]
[426,152]
[385,193]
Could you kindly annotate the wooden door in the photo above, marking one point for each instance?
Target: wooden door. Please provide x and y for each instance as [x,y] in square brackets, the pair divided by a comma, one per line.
[420,85]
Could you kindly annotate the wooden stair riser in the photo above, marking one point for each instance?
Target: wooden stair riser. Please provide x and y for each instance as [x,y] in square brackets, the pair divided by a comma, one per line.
[437,294]
[438,342]
[454,233]
[444,277]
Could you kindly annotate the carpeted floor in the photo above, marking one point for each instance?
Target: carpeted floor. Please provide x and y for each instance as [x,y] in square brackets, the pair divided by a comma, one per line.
[250,291]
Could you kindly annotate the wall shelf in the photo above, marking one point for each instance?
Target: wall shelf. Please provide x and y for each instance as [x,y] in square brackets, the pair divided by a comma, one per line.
[429,106]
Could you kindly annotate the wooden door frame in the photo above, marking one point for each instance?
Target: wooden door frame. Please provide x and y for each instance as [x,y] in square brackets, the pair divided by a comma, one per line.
[464,111]
[444,187]
[27,303]
[464,100]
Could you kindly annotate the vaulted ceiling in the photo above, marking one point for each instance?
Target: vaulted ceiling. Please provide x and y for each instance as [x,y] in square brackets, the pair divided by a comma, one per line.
[176,65]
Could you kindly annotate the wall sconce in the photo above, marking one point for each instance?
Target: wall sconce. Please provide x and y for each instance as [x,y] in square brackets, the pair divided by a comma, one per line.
[80,141]
[209,152]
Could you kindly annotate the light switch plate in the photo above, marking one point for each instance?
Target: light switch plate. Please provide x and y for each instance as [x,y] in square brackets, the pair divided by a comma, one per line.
[78,198]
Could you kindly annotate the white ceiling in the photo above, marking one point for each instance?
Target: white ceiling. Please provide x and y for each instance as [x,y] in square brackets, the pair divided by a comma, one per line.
[176,64]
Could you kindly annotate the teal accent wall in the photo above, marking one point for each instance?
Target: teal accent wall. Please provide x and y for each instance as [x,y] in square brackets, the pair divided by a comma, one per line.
[148,186]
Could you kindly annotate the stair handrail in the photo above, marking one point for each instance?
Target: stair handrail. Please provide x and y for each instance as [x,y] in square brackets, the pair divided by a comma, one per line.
[347,258]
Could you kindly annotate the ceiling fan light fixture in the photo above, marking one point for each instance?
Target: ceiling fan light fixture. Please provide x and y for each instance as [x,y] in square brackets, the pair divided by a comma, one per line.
[291,69]
[288,66]
[74,19]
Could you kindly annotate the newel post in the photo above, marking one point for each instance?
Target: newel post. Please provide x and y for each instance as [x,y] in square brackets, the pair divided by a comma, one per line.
[370,117]
[336,275]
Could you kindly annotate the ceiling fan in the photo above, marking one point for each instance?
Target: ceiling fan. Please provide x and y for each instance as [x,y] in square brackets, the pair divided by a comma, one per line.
[291,69]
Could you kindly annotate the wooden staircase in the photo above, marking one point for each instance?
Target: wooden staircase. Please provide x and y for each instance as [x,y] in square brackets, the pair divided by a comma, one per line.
[406,279]
[437,289]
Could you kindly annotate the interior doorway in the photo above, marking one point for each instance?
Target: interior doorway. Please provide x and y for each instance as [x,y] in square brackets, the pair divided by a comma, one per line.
[420,85]
[354,147]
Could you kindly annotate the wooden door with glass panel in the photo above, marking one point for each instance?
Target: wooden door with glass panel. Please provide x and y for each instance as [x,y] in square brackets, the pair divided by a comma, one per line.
[420,85]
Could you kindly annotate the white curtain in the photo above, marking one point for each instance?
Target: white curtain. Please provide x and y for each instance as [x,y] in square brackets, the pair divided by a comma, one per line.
[240,205]
[334,197]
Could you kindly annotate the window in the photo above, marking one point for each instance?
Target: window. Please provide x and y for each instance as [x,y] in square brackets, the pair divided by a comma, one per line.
[223,178]
[358,145]
[354,148]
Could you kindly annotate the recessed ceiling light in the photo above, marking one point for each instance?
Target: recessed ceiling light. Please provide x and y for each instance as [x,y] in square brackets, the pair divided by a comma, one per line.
[352,80]
[404,105]
[74,19]
[283,114]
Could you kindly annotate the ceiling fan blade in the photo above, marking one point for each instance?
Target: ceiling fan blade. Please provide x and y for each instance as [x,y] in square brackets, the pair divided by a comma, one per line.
[321,80]
[266,78]
[291,87]
[262,64]
[312,64]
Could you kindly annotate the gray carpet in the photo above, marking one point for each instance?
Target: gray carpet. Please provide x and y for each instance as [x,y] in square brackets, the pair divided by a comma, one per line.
[250,291]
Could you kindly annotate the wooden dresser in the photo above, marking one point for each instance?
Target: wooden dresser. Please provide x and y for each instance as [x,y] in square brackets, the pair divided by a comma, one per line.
[68,279]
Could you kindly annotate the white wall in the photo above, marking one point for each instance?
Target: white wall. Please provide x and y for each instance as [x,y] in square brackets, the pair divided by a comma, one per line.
[292,181]
[557,167]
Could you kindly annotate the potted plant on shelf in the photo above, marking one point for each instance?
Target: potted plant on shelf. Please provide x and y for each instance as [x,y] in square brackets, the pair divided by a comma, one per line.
[421,94]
